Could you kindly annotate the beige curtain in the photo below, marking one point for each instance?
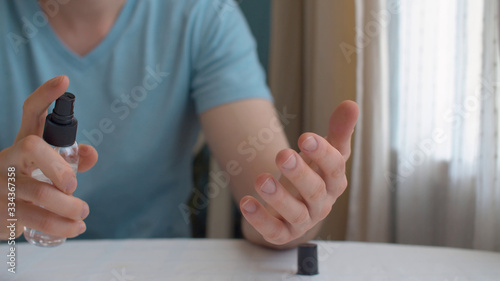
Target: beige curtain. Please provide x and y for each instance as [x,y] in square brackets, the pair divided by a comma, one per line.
[369,205]
[427,175]
[310,75]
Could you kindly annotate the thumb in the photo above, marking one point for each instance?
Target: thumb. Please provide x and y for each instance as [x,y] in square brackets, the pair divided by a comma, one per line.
[36,105]
[341,127]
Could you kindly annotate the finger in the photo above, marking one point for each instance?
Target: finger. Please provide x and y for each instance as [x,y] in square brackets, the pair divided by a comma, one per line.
[52,199]
[88,157]
[341,127]
[38,218]
[36,105]
[36,153]
[272,229]
[307,182]
[286,205]
[329,161]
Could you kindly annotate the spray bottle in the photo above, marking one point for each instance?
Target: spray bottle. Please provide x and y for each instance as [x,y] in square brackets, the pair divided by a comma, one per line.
[60,133]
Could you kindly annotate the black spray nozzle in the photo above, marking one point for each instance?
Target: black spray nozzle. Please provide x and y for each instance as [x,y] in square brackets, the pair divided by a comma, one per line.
[63,110]
[61,125]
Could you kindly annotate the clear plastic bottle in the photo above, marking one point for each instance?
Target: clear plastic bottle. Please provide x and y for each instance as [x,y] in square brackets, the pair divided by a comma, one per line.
[60,132]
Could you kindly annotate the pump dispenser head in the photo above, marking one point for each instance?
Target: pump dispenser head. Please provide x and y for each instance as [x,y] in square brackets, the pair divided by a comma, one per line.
[61,125]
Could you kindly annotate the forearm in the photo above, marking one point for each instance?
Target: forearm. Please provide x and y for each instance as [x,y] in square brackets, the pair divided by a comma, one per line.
[234,133]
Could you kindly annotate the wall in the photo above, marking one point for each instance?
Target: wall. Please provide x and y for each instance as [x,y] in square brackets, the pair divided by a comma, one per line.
[258,14]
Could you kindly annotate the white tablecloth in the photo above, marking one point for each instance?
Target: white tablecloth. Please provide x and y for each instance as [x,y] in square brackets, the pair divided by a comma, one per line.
[205,259]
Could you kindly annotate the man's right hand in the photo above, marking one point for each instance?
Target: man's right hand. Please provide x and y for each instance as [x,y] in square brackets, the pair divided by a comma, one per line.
[62,213]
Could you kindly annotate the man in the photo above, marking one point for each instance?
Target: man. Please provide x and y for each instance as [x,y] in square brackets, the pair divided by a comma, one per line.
[147,76]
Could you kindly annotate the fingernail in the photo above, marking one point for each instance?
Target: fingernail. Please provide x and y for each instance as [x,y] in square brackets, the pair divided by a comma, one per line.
[290,162]
[85,211]
[82,227]
[249,206]
[310,144]
[55,81]
[268,186]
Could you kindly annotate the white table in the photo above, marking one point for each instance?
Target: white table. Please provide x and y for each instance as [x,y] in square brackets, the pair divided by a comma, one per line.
[205,259]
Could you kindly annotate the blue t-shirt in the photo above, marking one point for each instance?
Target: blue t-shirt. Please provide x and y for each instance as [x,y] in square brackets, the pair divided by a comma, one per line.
[138,97]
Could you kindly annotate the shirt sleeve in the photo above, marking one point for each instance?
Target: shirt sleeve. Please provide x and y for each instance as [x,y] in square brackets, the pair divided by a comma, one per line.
[225,64]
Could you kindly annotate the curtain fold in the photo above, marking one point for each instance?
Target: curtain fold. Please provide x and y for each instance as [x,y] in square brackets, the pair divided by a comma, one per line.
[487,217]
[369,204]
[306,61]
[286,66]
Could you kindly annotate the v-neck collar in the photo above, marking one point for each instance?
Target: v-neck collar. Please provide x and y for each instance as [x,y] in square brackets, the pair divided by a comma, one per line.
[52,40]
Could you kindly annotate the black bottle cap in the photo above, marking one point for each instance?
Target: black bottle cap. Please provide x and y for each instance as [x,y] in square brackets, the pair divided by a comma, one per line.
[61,125]
[307,261]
